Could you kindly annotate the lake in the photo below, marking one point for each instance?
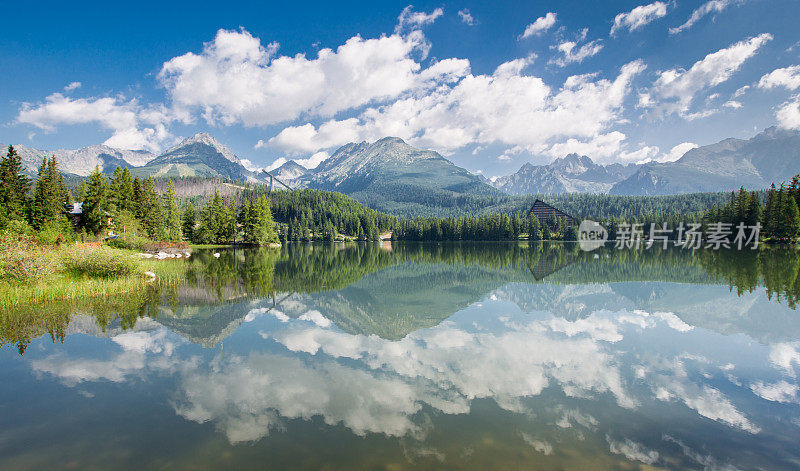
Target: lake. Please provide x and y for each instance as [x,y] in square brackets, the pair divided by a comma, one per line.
[427,356]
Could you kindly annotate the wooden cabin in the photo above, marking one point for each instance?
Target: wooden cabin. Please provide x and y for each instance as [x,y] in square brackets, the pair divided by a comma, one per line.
[544,212]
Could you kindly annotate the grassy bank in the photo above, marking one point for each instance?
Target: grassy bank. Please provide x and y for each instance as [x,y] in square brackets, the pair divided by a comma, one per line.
[31,274]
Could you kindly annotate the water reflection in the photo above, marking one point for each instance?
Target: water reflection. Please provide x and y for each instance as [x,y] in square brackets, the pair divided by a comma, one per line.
[479,356]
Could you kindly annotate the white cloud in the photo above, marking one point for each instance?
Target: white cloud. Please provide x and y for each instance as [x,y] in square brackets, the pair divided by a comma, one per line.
[542,24]
[570,52]
[466,17]
[132,126]
[506,107]
[599,146]
[236,79]
[785,356]
[675,89]
[788,115]
[639,17]
[732,104]
[314,160]
[677,152]
[782,391]
[632,450]
[787,77]
[72,86]
[713,6]
[410,19]
[641,155]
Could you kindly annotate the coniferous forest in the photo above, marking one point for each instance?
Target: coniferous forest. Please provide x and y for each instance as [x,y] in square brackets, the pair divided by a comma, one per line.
[138,210]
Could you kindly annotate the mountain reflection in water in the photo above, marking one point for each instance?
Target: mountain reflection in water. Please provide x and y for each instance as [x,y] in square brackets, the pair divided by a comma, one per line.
[419,356]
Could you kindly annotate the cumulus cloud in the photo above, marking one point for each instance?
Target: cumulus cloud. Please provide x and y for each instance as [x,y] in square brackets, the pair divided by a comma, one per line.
[72,86]
[235,79]
[713,6]
[508,107]
[466,17]
[542,24]
[787,77]
[675,89]
[788,114]
[677,152]
[639,17]
[133,126]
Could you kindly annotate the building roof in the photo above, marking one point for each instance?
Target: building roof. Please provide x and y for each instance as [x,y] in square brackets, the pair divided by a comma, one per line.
[544,211]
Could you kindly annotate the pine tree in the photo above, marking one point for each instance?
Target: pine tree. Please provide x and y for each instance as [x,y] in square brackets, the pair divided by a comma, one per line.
[172,218]
[50,195]
[96,202]
[188,222]
[152,217]
[121,190]
[14,186]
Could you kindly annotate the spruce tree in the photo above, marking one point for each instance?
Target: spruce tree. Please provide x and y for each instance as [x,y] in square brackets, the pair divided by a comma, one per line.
[95,203]
[14,186]
[172,218]
[50,195]
[188,222]
[152,217]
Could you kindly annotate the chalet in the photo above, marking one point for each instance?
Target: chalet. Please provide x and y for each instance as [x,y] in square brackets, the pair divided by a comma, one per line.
[544,212]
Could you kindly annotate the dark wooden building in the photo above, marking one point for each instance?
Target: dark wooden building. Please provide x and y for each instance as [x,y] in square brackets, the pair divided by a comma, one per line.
[544,212]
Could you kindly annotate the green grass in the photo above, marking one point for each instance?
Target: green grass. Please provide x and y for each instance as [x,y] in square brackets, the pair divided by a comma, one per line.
[31,274]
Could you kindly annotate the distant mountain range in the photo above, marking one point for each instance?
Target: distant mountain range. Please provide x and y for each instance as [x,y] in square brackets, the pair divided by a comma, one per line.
[390,175]
[771,156]
[570,174]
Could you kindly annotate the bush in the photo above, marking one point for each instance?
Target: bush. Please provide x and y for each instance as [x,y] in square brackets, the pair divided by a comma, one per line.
[22,261]
[100,262]
[129,242]
[56,232]
[16,227]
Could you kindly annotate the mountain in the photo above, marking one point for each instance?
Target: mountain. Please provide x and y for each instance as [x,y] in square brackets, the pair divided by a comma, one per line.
[569,174]
[771,156]
[290,173]
[198,156]
[390,175]
[82,161]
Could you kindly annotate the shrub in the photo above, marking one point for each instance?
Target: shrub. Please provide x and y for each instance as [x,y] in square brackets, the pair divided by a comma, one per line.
[130,242]
[18,228]
[50,232]
[22,261]
[99,262]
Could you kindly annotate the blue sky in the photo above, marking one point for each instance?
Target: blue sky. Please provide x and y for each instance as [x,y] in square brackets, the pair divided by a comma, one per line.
[491,86]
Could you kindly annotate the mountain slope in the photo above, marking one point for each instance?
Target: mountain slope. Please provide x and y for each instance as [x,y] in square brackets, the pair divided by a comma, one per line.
[771,156]
[392,176]
[82,161]
[198,156]
[569,174]
[290,173]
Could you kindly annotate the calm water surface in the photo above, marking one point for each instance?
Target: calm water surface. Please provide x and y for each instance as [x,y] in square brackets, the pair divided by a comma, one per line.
[481,356]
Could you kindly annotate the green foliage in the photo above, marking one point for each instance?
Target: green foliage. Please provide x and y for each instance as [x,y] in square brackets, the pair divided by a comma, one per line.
[13,187]
[95,203]
[150,210]
[217,222]
[189,221]
[255,217]
[172,217]
[23,261]
[99,262]
[121,194]
[50,196]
